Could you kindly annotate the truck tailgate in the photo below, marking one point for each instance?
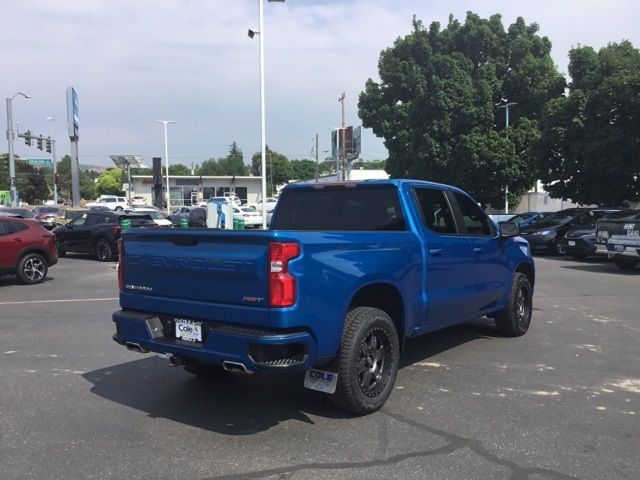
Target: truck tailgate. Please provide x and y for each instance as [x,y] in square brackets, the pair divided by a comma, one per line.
[198,273]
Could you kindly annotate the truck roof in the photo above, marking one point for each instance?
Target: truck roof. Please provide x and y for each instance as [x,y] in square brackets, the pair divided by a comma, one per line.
[350,183]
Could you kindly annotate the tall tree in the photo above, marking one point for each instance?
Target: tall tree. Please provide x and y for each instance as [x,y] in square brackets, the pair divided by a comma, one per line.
[179,169]
[30,181]
[110,182]
[303,169]
[86,180]
[590,147]
[279,169]
[436,104]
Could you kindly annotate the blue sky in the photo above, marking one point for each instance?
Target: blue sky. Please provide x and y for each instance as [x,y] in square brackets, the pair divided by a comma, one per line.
[134,62]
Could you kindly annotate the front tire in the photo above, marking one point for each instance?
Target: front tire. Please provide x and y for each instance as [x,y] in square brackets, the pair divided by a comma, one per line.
[514,320]
[626,264]
[368,361]
[104,251]
[32,269]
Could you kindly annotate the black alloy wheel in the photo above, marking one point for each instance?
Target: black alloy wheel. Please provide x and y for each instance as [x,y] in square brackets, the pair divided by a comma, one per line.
[104,252]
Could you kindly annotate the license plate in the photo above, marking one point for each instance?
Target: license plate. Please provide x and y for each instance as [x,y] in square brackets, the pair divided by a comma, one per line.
[188,330]
[571,243]
[618,248]
[321,380]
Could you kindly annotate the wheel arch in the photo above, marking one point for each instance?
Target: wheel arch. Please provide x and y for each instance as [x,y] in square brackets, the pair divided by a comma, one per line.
[35,249]
[385,297]
[529,271]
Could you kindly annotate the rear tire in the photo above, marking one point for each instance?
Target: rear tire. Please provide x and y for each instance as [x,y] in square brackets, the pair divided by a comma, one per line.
[626,264]
[368,361]
[104,251]
[32,269]
[514,320]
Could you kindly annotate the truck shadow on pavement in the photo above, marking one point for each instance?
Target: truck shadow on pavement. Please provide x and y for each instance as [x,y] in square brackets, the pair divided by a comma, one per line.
[244,404]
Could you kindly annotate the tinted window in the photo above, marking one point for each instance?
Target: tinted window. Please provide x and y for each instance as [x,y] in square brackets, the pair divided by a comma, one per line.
[3,228]
[340,209]
[557,218]
[522,217]
[436,213]
[15,227]
[475,220]
[631,215]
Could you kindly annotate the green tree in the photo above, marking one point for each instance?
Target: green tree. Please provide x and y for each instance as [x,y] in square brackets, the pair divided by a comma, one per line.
[436,103]
[590,147]
[303,169]
[86,180]
[31,182]
[279,169]
[370,165]
[232,164]
[179,169]
[110,182]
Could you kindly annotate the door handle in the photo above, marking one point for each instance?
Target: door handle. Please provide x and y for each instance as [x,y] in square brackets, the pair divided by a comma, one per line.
[436,252]
[478,250]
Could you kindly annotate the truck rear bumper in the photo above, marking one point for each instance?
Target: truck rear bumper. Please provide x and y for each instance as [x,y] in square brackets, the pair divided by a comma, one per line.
[259,350]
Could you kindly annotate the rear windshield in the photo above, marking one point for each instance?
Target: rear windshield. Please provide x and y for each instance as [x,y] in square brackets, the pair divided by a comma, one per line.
[370,208]
[48,210]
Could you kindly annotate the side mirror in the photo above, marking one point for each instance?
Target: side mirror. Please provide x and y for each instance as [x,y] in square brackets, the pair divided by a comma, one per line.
[509,229]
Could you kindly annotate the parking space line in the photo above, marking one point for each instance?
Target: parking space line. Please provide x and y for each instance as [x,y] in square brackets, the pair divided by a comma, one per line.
[70,300]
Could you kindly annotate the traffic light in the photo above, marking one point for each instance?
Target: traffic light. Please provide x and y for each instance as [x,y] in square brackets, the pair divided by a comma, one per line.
[39,142]
[56,177]
[48,144]
[27,139]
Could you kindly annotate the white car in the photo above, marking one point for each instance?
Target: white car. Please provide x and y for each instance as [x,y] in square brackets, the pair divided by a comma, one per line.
[270,204]
[138,201]
[112,202]
[250,216]
[155,215]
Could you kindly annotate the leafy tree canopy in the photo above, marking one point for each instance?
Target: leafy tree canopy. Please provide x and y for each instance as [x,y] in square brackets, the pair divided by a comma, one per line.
[179,169]
[303,169]
[436,104]
[110,182]
[232,164]
[590,147]
[279,170]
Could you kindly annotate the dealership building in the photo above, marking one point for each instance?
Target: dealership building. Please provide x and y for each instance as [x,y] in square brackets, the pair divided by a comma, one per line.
[188,189]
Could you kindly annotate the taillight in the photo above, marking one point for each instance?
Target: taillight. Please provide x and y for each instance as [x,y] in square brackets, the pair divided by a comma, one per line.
[116,229]
[121,264]
[282,285]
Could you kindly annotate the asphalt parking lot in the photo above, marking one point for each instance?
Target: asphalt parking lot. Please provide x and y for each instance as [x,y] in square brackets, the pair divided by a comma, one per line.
[561,402]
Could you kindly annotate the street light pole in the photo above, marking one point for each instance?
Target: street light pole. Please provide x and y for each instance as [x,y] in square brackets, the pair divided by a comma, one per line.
[166,157]
[12,166]
[263,143]
[506,121]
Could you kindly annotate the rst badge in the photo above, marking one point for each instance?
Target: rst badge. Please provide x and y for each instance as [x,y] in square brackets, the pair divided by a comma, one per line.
[321,380]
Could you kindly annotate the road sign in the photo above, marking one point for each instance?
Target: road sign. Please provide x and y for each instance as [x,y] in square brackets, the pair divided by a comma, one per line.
[39,161]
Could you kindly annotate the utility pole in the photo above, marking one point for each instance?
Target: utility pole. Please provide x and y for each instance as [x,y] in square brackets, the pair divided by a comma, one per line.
[506,187]
[317,157]
[342,152]
[12,164]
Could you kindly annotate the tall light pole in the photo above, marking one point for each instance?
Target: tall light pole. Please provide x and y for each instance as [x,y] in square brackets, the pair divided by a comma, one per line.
[52,119]
[166,158]
[506,121]
[12,165]
[263,143]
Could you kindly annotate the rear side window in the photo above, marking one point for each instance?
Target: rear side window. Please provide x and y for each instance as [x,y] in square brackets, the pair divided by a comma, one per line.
[375,208]
[3,228]
[436,214]
[15,227]
[475,220]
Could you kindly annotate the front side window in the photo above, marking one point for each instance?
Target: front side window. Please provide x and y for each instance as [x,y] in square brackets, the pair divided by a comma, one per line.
[81,220]
[436,214]
[474,219]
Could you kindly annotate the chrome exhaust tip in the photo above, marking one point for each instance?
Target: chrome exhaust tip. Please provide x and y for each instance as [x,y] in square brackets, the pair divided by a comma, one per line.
[135,347]
[235,367]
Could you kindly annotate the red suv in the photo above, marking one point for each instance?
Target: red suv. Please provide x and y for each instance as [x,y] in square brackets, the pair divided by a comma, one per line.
[26,249]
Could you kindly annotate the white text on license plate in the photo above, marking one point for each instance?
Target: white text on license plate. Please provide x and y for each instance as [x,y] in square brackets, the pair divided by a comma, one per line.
[321,380]
[571,243]
[618,248]
[188,330]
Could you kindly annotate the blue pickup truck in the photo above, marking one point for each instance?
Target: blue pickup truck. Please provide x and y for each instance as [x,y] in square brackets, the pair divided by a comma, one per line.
[346,273]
